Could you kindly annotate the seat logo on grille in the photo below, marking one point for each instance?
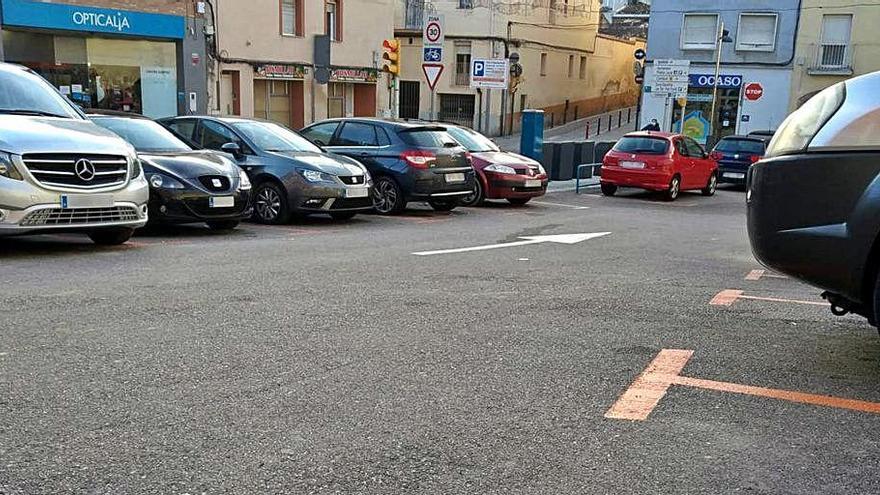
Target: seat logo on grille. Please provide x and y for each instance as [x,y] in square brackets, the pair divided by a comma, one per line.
[84,169]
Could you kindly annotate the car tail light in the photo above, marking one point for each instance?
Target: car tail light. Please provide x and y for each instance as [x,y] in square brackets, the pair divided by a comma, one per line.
[716,156]
[755,158]
[418,158]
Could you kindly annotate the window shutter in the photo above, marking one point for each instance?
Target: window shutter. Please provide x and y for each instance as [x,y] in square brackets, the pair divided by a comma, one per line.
[836,29]
[757,31]
[700,30]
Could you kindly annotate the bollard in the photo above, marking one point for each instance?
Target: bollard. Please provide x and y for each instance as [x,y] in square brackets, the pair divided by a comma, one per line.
[609,122]
[619,119]
[587,132]
[629,115]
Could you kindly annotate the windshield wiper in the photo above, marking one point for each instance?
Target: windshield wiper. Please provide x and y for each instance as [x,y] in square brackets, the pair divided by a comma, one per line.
[24,111]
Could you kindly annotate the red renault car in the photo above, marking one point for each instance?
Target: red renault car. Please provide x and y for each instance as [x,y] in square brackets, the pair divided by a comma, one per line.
[659,161]
[500,174]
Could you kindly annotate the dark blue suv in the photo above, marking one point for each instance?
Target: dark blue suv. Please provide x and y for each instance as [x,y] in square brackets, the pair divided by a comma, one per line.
[408,161]
[735,154]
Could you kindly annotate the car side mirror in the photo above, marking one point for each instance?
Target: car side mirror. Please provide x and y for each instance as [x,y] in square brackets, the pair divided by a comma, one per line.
[233,149]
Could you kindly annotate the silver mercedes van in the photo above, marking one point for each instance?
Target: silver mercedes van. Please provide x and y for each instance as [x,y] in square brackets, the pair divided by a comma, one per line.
[59,172]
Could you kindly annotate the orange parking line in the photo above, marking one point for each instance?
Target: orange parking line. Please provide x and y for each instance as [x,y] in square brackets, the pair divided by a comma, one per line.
[776,299]
[755,275]
[726,297]
[646,391]
[640,399]
[800,397]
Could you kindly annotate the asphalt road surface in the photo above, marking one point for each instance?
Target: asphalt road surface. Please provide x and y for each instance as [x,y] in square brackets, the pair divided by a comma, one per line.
[325,357]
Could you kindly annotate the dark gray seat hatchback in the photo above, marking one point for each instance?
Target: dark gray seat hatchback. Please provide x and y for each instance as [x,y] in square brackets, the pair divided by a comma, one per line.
[290,175]
[409,161]
[814,201]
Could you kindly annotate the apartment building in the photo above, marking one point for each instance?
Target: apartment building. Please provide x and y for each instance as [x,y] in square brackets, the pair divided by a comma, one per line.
[757,60]
[569,69]
[264,53]
[835,42]
[144,56]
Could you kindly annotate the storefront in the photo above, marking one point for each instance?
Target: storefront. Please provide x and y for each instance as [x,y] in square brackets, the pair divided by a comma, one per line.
[103,58]
[749,99]
[352,92]
[279,94]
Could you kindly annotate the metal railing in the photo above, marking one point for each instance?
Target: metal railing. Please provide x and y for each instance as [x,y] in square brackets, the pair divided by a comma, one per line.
[832,57]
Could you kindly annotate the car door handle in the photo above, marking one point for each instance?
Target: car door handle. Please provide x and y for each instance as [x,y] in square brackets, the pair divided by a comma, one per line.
[363,153]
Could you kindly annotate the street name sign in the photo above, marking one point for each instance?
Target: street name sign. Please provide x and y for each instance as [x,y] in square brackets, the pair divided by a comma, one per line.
[671,77]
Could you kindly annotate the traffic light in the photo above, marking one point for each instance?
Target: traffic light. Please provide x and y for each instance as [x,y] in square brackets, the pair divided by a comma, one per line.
[391,56]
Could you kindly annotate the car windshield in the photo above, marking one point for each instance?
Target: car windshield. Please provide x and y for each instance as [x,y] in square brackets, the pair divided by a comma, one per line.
[642,144]
[472,140]
[145,135]
[273,137]
[745,146]
[427,138]
[25,93]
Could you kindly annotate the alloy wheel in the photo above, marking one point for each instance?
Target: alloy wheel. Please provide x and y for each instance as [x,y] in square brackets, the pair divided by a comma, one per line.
[384,196]
[268,204]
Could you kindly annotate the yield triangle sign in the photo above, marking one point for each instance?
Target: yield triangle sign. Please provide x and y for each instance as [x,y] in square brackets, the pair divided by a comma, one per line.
[432,74]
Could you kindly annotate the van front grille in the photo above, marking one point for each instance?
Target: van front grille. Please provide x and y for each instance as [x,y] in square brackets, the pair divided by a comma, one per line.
[77,171]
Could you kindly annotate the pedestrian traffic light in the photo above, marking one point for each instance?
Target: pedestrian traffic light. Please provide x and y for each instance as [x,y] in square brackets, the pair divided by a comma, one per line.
[391,56]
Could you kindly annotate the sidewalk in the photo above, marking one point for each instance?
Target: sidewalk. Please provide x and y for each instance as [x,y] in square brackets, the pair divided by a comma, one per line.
[575,131]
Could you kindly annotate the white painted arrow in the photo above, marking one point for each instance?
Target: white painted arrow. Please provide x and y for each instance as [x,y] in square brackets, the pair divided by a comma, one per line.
[538,239]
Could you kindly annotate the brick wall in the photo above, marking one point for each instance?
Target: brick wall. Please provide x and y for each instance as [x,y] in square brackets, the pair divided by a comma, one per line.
[175,7]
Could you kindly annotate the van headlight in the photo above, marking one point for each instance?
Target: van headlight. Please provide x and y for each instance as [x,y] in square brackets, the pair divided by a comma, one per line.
[7,168]
[244,182]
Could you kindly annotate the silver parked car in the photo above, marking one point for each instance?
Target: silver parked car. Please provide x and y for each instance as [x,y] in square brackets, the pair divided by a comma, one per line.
[59,172]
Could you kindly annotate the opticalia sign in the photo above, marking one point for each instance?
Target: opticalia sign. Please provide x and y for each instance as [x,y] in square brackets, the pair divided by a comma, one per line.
[726,81]
[117,21]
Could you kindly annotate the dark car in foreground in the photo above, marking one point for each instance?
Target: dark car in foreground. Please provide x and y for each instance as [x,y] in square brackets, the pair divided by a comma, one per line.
[409,161]
[814,200]
[186,185]
[291,175]
[735,154]
[499,174]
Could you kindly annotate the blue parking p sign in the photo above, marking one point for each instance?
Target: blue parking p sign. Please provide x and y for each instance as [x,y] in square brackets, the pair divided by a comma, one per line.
[432,54]
[479,68]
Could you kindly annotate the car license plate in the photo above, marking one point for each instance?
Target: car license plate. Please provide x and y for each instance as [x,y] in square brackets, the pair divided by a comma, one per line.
[734,175]
[454,177]
[533,183]
[632,164]
[222,201]
[357,192]
[86,200]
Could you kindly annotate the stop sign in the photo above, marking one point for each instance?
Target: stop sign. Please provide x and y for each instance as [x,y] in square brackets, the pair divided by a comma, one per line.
[754,91]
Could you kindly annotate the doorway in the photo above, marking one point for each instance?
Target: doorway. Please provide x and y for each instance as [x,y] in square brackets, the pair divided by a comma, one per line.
[409,99]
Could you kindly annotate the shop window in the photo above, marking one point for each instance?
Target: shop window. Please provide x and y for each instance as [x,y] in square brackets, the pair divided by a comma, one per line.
[543,64]
[699,31]
[333,19]
[335,100]
[756,32]
[280,88]
[291,17]
[582,71]
[571,66]
[357,134]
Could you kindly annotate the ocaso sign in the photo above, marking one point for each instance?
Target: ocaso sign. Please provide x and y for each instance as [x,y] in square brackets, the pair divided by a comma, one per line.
[727,81]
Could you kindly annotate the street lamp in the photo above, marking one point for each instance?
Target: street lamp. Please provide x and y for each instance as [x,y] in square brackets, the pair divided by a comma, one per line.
[723,36]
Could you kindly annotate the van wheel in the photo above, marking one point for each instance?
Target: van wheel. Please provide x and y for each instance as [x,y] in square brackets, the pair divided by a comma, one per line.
[110,237]
[674,189]
[709,190]
[608,189]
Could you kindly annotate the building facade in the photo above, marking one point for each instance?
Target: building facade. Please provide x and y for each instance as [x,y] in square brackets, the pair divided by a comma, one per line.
[264,59]
[836,41]
[757,60]
[569,69]
[145,57]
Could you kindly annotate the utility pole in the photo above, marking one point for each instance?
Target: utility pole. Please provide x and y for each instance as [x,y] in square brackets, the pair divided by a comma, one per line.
[722,36]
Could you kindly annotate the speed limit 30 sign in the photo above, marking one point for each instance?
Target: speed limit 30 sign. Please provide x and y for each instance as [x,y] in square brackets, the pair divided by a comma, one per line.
[432,34]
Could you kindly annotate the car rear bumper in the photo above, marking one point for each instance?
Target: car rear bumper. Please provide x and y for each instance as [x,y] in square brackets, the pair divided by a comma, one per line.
[732,173]
[811,221]
[433,183]
[503,186]
[656,180]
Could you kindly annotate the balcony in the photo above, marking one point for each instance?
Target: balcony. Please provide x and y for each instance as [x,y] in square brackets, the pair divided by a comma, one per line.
[415,13]
[832,60]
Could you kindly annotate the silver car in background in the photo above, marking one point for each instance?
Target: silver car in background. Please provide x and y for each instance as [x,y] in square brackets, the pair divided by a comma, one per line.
[59,172]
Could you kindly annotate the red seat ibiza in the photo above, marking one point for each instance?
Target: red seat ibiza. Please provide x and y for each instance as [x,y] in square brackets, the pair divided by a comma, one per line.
[659,161]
